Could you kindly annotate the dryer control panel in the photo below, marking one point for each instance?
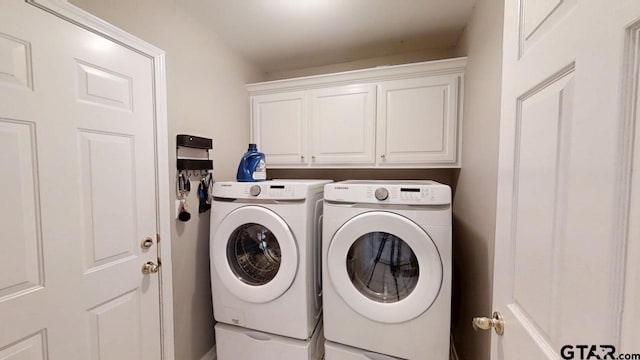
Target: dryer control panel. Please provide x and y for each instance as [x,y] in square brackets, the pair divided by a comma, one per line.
[389,192]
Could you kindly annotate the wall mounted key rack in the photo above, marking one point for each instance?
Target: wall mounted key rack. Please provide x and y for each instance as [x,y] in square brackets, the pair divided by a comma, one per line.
[187,162]
[193,159]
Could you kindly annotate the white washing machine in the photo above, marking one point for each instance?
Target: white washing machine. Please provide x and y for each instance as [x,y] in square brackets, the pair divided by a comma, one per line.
[386,256]
[265,255]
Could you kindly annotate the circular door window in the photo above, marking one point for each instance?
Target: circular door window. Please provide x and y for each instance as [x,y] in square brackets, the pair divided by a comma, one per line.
[385,267]
[382,267]
[254,254]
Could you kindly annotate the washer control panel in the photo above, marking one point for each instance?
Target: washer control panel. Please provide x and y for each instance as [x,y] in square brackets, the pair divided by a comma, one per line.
[255,190]
[381,193]
[266,190]
[394,192]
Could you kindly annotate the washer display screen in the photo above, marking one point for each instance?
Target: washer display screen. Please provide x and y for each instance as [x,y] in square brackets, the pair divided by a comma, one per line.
[254,254]
[382,267]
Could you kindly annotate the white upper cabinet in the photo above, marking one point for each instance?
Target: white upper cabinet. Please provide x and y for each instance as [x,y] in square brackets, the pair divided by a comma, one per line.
[343,125]
[279,127]
[418,121]
[405,116]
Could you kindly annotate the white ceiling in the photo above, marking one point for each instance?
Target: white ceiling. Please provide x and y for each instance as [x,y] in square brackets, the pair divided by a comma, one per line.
[291,34]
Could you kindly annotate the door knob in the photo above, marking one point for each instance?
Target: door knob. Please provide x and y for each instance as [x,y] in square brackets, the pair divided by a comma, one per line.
[150,268]
[484,323]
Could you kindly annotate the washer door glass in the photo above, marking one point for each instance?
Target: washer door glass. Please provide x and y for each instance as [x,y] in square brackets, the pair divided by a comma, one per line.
[254,254]
[382,267]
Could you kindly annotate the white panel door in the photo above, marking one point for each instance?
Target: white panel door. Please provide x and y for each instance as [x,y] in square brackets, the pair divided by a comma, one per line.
[79,193]
[279,127]
[558,275]
[418,121]
[343,125]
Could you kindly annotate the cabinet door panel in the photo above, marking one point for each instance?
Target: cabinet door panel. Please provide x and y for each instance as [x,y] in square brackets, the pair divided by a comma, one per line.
[279,127]
[343,125]
[417,121]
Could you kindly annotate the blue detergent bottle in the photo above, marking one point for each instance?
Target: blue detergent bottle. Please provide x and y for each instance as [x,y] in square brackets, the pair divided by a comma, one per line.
[253,166]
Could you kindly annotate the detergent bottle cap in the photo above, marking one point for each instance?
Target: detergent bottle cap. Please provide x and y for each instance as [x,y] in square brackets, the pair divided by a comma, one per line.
[253,147]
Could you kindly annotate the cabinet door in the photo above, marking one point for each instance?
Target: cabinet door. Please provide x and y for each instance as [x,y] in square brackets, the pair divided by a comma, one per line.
[279,127]
[418,121]
[343,125]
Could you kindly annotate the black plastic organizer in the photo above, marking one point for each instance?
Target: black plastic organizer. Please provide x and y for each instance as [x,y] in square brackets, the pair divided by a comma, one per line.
[194,142]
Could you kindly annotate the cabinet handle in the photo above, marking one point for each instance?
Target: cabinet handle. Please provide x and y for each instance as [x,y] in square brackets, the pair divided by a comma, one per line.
[301,157]
[383,156]
[313,158]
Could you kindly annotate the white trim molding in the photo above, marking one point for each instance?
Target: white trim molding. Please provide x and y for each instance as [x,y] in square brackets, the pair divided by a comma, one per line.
[380,73]
[630,197]
[81,18]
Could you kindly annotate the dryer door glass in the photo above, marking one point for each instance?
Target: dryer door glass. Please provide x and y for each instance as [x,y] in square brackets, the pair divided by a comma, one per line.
[254,254]
[382,267]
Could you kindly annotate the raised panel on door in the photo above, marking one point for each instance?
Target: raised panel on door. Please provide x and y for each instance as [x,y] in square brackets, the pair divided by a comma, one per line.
[544,122]
[418,121]
[279,127]
[15,62]
[343,125]
[537,19]
[108,187]
[32,347]
[21,256]
[116,329]
[103,87]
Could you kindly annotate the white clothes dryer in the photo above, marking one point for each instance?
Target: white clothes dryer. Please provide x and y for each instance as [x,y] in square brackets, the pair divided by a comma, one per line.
[386,256]
[265,255]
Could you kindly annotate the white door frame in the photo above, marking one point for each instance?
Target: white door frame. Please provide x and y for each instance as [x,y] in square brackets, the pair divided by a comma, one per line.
[79,17]
[630,224]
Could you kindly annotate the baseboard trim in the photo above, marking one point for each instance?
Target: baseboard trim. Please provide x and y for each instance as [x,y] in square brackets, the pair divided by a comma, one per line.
[210,355]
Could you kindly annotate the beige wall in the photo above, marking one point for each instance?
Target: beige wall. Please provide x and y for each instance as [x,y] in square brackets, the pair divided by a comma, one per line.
[405,58]
[206,97]
[474,205]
